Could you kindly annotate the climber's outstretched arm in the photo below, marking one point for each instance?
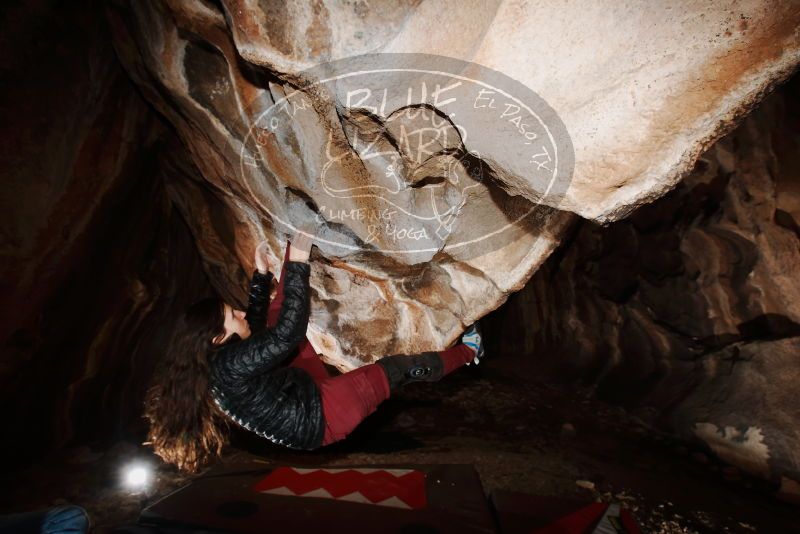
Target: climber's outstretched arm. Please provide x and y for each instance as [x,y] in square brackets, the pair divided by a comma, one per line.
[266,349]
[258,296]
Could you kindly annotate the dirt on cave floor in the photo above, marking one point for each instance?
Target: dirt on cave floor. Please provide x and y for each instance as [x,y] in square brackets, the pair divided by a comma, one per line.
[520,434]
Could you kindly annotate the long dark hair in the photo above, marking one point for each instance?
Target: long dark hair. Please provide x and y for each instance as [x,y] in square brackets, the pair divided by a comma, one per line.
[187,428]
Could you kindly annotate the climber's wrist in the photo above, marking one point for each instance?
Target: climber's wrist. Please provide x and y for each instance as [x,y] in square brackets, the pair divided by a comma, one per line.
[298,256]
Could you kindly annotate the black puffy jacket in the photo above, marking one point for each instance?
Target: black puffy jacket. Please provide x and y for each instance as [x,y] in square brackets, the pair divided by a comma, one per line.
[249,379]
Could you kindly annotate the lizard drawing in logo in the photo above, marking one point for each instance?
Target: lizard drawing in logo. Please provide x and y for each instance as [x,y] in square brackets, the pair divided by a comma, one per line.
[413,162]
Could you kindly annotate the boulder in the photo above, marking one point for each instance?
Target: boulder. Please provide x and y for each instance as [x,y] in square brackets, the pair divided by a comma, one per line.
[587,111]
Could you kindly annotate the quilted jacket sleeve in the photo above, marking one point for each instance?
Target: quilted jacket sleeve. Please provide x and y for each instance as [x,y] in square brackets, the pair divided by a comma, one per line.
[266,349]
[258,302]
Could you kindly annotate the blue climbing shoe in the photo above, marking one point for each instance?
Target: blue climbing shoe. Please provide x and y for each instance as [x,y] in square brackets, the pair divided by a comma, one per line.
[472,338]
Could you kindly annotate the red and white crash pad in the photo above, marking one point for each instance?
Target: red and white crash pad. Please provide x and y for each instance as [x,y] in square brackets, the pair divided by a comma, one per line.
[399,488]
[254,498]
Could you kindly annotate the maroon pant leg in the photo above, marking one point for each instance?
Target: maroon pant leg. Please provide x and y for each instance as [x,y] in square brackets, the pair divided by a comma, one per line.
[455,357]
[346,399]
[349,398]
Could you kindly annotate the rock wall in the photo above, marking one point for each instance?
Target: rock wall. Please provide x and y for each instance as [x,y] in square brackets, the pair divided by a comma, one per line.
[686,309]
[690,308]
[95,260]
[634,120]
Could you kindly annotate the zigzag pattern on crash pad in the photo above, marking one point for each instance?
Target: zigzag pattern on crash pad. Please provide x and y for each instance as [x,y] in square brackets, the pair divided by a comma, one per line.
[398,488]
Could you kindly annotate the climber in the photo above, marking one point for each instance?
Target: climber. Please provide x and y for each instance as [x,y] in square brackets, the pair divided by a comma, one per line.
[225,364]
